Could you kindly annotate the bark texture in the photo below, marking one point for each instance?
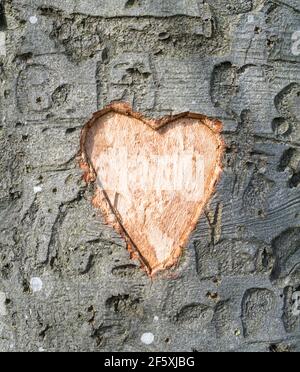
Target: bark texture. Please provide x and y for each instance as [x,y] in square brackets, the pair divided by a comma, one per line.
[66,280]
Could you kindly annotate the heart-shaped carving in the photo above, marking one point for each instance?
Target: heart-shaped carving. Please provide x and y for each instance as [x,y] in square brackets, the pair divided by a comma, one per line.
[154,177]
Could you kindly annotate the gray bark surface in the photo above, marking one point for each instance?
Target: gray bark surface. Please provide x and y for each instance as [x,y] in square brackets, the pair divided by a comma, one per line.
[66,280]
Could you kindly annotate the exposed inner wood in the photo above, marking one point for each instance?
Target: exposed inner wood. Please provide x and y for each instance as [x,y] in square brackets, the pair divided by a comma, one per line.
[136,162]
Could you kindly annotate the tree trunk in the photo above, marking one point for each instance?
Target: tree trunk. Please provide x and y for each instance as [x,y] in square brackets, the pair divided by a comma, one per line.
[67,282]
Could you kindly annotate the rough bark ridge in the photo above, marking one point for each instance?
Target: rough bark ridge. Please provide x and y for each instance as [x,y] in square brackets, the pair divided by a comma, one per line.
[66,280]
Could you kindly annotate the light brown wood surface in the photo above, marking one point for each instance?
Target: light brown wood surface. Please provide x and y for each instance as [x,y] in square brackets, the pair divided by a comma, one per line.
[153,178]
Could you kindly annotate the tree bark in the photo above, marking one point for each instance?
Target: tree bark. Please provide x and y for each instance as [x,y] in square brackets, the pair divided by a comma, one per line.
[67,282]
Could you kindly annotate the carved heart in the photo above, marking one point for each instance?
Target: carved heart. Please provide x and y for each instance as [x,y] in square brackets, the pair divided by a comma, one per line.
[154,178]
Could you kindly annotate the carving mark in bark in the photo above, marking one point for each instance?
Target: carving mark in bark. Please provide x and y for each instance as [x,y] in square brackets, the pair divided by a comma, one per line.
[153,177]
